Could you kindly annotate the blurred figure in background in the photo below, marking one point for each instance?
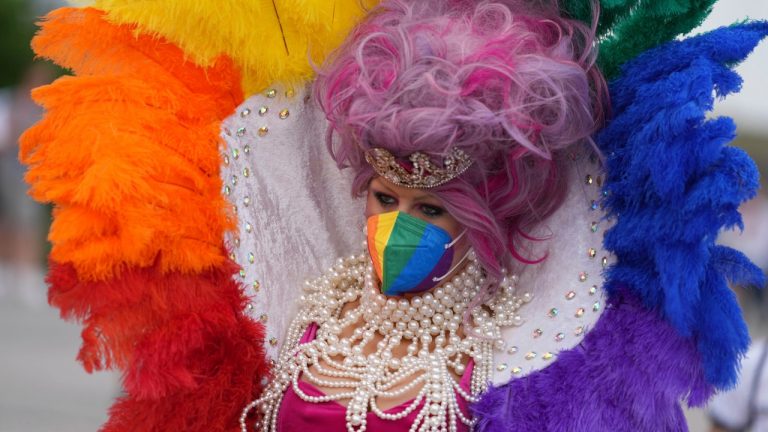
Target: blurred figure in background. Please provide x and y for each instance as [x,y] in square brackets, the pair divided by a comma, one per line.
[745,408]
[23,222]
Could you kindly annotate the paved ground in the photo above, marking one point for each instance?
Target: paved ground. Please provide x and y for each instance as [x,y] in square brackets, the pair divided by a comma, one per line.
[42,388]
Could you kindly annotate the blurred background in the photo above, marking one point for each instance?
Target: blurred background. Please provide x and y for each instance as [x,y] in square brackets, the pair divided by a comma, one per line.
[43,388]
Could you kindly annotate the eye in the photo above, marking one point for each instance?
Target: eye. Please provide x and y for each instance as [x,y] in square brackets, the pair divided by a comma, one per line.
[385,199]
[432,211]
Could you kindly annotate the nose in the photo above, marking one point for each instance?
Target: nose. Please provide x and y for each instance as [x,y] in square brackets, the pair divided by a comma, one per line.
[407,206]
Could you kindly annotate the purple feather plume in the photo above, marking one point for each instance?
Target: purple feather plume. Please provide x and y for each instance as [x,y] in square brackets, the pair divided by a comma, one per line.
[630,373]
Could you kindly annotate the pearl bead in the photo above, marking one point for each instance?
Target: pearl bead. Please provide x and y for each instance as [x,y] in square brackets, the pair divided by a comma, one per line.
[417,322]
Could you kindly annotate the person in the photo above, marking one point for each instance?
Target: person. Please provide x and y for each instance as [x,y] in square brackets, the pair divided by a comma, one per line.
[513,276]
[455,124]
[22,221]
[744,407]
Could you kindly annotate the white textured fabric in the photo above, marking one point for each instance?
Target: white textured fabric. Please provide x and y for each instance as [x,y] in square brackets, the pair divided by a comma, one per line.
[567,286]
[294,207]
[300,216]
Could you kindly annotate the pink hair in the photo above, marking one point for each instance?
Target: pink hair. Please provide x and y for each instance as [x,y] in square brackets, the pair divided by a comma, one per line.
[512,85]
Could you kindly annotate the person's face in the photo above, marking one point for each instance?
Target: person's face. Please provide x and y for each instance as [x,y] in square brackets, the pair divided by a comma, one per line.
[384,197]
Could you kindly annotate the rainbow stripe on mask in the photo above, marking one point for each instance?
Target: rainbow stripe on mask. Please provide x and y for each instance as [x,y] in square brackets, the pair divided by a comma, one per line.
[407,252]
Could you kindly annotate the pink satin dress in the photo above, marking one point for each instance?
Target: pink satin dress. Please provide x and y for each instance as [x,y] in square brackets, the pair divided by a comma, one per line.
[298,415]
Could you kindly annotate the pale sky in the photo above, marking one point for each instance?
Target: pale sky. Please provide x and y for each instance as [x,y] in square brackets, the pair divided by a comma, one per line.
[750,107]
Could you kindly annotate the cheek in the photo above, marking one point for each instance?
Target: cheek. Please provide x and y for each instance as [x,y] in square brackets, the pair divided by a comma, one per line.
[454,228]
[451,225]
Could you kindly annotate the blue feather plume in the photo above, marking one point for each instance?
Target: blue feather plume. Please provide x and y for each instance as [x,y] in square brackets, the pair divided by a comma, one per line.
[673,183]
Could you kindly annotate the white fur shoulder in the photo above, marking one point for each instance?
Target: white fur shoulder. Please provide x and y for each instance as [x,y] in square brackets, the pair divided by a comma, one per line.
[296,215]
[294,207]
[567,287]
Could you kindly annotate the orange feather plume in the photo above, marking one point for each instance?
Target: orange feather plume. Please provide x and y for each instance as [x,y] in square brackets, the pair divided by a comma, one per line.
[129,150]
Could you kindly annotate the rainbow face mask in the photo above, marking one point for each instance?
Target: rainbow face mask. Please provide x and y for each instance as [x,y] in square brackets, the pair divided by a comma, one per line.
[409,255]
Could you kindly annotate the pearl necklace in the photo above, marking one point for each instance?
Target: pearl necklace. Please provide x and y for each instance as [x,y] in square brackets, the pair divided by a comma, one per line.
[432,324]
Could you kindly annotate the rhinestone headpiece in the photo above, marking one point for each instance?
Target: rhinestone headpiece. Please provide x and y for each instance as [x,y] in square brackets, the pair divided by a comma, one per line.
[420,173]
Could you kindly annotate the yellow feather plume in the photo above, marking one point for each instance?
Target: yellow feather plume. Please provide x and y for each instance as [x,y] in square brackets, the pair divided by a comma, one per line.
[270,40]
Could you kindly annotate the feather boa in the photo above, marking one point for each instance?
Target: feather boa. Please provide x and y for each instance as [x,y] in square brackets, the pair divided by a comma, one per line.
[628,374]
[189,356]
[673,184]
[128,152]
[628,28]
[128,149]
[672,330]
[269,40]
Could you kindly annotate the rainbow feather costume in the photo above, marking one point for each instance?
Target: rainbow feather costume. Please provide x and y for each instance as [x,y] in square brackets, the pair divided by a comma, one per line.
[129,154]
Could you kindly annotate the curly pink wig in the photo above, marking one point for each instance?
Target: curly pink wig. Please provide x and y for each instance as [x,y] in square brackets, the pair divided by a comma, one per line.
[512,85]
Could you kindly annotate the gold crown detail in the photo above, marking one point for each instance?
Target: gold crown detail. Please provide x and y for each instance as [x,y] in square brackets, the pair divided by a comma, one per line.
[423,174]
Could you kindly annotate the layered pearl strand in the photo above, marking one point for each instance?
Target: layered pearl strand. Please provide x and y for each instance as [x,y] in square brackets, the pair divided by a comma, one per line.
[431,324]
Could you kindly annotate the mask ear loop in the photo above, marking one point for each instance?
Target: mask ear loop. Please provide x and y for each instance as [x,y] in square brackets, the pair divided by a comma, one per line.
[449,245]
[454,241]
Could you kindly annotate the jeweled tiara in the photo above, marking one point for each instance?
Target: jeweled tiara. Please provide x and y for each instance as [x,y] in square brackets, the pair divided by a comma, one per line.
[422,173]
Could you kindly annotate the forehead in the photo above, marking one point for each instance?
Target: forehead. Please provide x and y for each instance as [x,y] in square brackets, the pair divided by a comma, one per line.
[401,191]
